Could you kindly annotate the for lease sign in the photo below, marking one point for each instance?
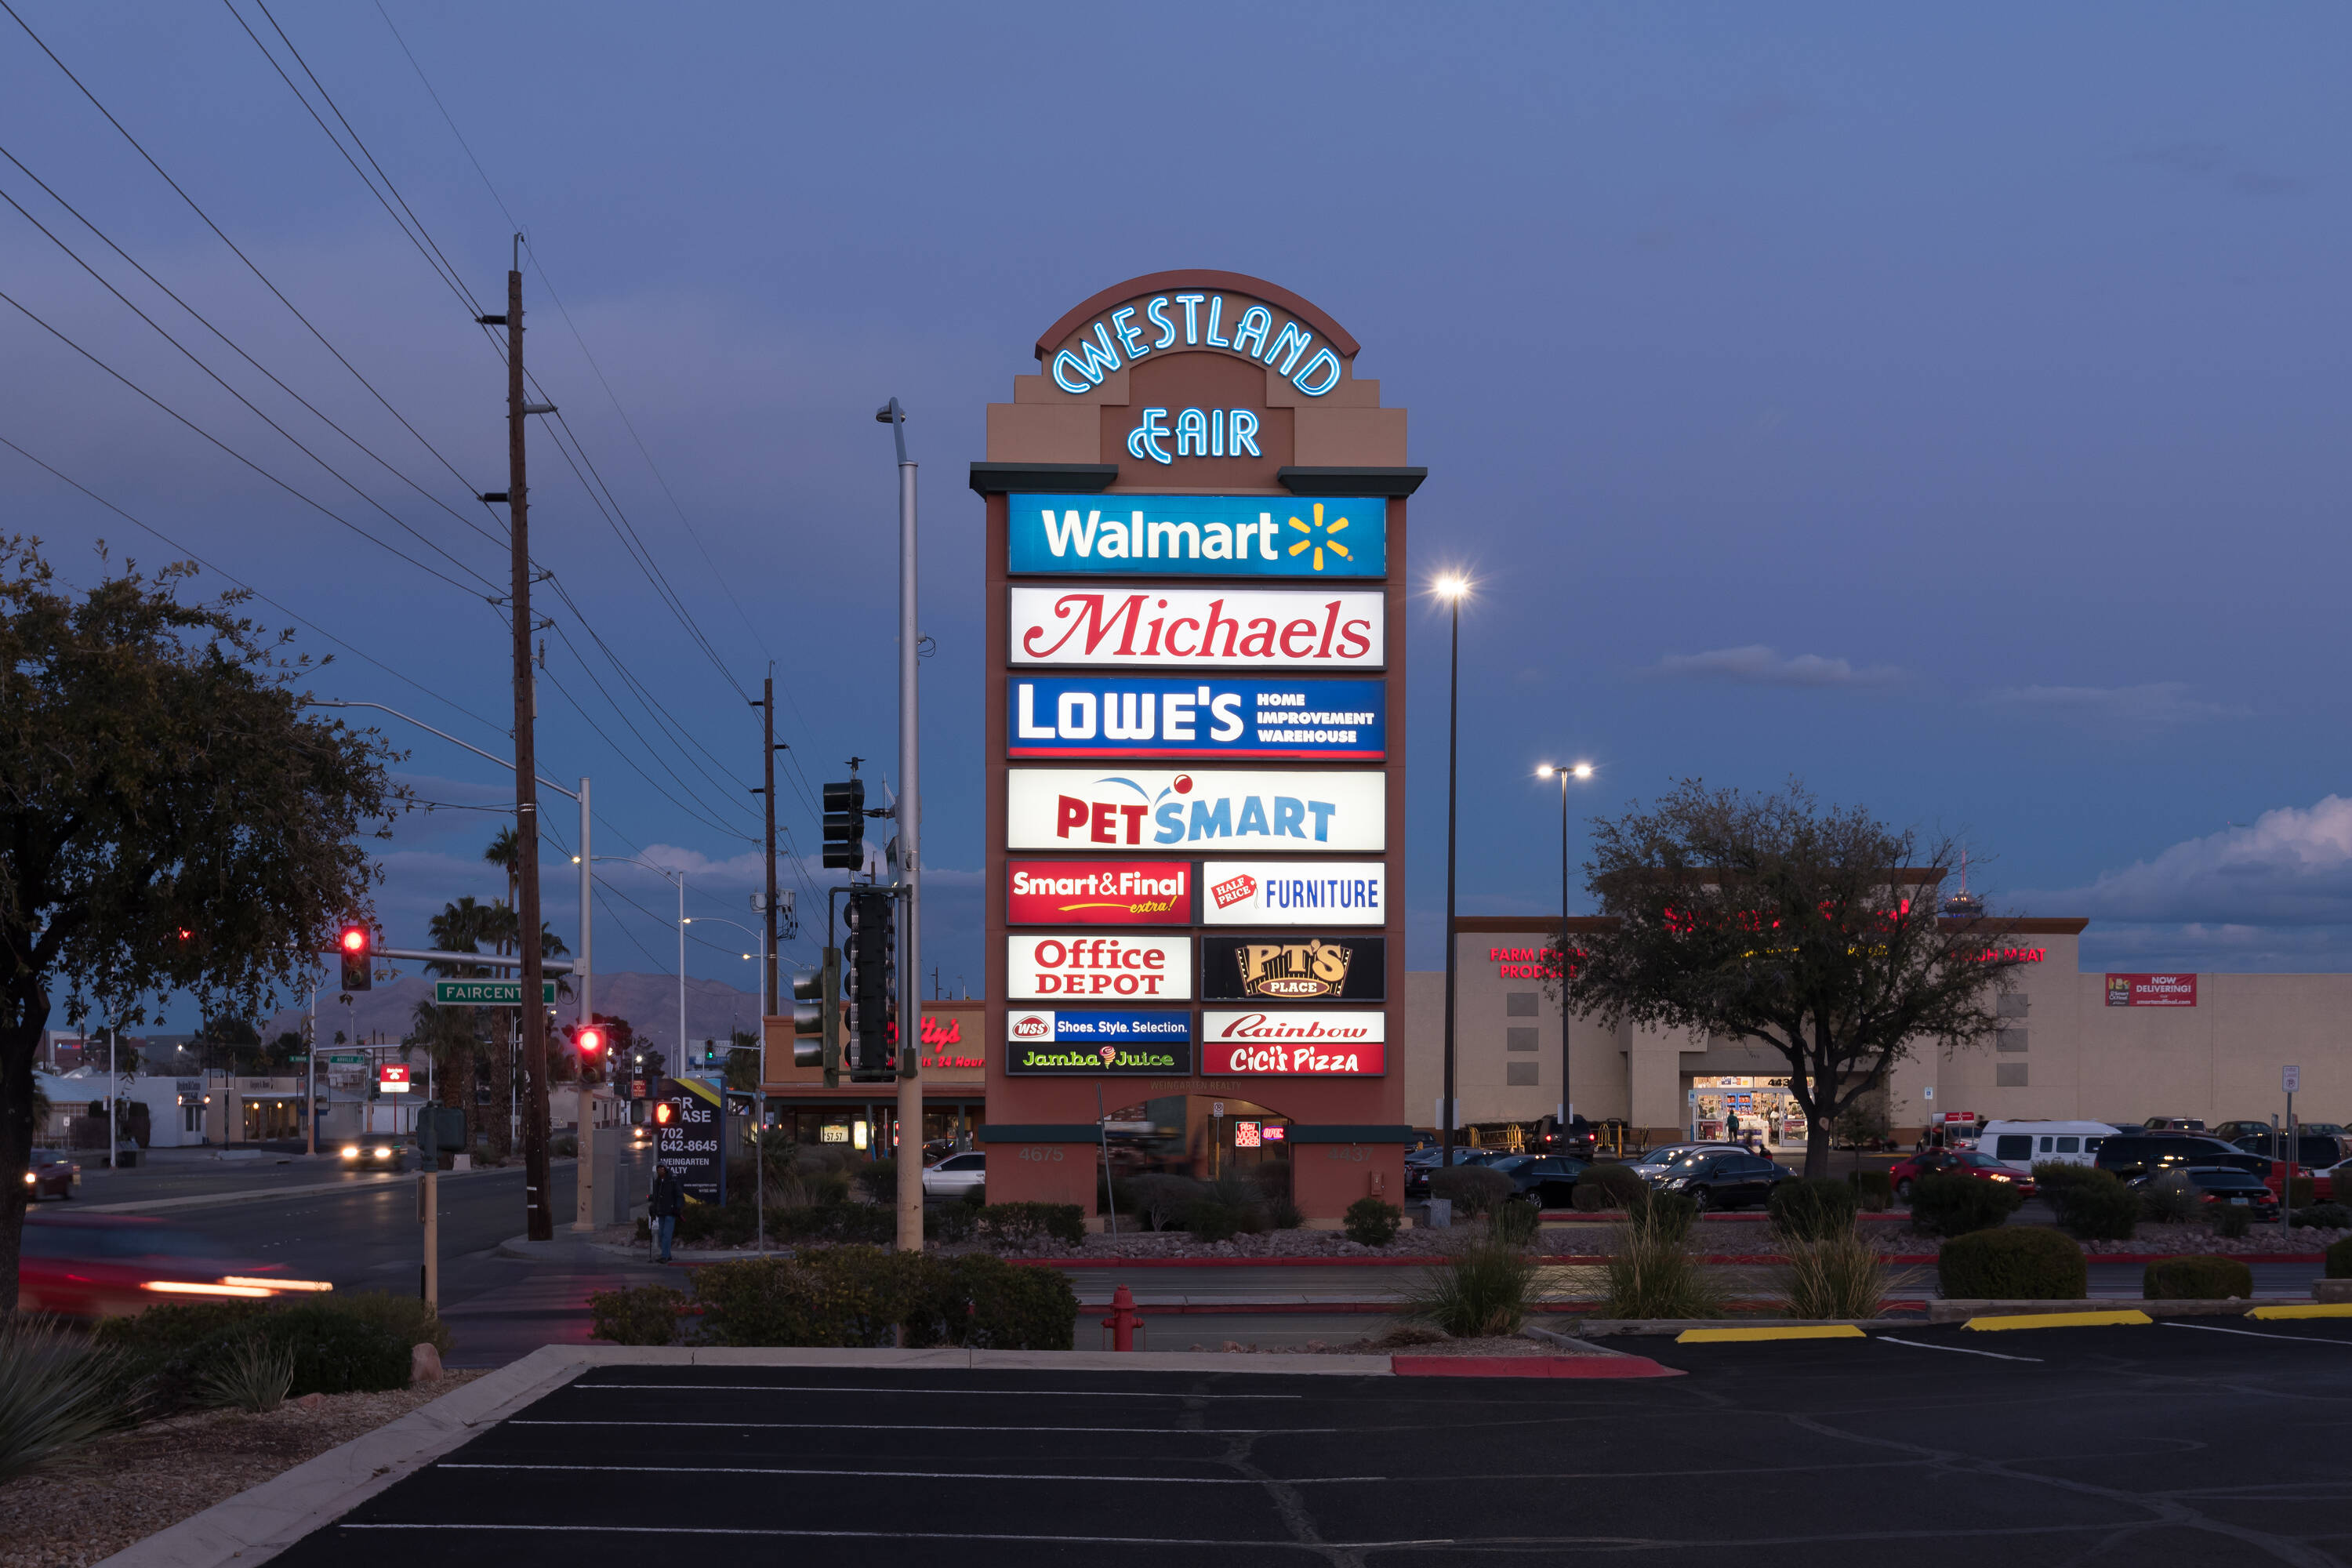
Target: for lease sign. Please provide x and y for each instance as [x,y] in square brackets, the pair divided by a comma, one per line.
[1317,1043]
[1294,892]
[1098,893]
[1200,629]
[1082,965]
[1083,808]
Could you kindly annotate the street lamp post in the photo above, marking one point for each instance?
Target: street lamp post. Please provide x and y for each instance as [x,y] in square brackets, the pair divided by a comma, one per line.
[1450,588]
[678,877]
[1579,770]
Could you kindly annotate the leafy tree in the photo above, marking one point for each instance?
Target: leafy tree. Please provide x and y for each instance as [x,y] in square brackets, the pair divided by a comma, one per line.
[170,821]
[1810,930]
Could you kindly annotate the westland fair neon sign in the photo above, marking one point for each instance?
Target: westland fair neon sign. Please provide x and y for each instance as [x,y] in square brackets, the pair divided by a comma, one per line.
[1119,340]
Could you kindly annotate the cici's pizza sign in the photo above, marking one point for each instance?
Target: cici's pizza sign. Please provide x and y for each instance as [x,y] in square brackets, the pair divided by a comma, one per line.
[1293,1044]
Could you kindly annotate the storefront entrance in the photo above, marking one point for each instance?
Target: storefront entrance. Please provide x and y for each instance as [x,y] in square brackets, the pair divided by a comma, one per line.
[1728,1108]
[270,1119]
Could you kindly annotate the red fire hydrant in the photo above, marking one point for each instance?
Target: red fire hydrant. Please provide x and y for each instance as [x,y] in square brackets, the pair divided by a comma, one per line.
[1124,1320]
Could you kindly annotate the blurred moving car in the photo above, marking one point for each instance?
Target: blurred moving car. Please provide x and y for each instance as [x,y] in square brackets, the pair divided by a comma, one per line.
[50,1174]
[955,1175]
[2223,1186]
[1724,1179]
[1956,1162]
[110,1266]
[376,1154]
[1544,1180]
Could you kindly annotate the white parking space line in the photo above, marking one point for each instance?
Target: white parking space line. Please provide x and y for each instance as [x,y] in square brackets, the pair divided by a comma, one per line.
[933,1426]
[1956,1350]
[1313,1546]
[919,1475]
[978,1393]
[2256,1334]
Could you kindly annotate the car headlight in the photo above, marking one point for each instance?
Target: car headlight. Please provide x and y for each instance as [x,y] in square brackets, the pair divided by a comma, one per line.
[383,1153]
[352,1153]
[1673,1181]
[30,1179]
[2004,1178]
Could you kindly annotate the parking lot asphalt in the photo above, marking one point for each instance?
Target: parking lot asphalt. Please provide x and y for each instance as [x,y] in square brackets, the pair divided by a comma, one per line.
[2181,1444]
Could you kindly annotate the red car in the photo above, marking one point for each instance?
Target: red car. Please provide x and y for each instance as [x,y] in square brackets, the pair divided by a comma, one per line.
[1957,1163]
[110,1266]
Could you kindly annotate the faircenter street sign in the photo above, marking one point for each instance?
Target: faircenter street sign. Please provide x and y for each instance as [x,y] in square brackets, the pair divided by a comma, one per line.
[486,992]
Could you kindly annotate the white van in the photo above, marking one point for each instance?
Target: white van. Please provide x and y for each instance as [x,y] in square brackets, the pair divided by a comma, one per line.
[2025,1144]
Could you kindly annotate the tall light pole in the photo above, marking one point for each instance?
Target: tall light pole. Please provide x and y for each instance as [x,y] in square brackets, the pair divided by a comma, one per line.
[1449,588]
[910,828]
[1579,770]
[677,877]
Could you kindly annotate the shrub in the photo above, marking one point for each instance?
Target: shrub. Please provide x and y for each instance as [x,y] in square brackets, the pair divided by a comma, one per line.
[857,1297]
[334,1351]
[2097,1209]
[2301,1191]
[1483,1290]
[646,1315]
[2170,1198]
[411,1319]
[1515,1224]
[341,1345]
[1955,1206]
[2320,1217]
[1020,1225]
[1837,1276]
[951,1222]
[1652,1274]
[879,1180]
[2057,1178]
[1606,1186]
[854,1222]
[1474,1190]
[2021,1263]
[252,1376]
[1006,1306]
[784,1302]
[1671,1215]
[1369,1222]
[730,1225]
[2204,1279]
[1282,1214]
[1161,1198]
[1211,1219]
[2338,1256]
[1873,1191]
[57,1395]
[1813,1208]
[2230,1222]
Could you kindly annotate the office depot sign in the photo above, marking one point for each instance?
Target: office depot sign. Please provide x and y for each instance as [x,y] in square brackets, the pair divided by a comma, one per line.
[1098,893]
[1293,1042]
[1202,808]
[1202,628]
[1076,966]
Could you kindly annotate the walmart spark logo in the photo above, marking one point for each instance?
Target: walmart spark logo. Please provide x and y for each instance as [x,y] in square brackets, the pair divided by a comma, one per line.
[1319,537]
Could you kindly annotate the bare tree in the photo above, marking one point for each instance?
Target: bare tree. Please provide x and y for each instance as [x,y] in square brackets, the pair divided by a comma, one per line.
[1809,930]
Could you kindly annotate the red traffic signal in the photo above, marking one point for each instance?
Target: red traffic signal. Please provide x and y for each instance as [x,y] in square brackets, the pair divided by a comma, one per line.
[356,944]
[664,1113]
[590,1040]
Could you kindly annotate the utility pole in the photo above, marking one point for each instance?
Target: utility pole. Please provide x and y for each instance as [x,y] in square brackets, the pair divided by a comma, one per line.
[911,824]
[540,1213]
[767,707]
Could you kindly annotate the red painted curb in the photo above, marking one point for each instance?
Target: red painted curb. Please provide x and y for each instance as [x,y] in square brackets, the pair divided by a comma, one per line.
[1530,1366]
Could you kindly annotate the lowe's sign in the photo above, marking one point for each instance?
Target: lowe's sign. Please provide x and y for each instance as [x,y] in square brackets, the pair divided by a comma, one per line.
[1245,716]
[1218,536]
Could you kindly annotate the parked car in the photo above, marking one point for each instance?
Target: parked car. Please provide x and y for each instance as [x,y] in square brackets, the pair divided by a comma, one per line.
[110,1266]
[1422,1162]
[2225,1186]
[2173,1124]
[50,1174]
[2022,1144]
[1723,1179]
[2311,1151]
[1544,1180]
[1973,1163]
[955,1175]
[1655,1162]
[2132,1155]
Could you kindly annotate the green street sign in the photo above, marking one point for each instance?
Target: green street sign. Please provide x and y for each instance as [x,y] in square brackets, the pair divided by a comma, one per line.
[346,1061]
[486,992]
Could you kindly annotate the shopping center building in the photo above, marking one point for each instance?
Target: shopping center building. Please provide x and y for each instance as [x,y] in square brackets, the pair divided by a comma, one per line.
[2098,1046]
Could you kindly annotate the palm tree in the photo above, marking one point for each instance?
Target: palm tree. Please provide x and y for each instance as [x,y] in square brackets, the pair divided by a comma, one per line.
[459,927]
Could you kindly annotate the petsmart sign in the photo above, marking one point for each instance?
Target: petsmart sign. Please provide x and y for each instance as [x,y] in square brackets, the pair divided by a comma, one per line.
[1198,536]
[1078,809]
[1097,1040]
[1331,630]
[1293,1042]
[1294,893]
[1242,718]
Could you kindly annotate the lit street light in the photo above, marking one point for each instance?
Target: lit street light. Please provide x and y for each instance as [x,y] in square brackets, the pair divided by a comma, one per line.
[1579,772]
[1452,588]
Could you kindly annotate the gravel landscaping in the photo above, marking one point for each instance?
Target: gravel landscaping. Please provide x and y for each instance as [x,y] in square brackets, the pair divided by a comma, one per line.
[128,1487]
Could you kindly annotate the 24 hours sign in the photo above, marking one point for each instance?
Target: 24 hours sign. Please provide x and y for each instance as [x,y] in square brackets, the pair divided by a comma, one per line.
[1074,808]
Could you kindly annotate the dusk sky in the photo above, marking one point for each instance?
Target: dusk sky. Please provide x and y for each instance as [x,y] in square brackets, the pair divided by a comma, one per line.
[1947,409]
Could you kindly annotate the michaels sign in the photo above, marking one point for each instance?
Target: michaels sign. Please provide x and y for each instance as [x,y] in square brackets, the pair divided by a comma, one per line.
[1244,628]
[1219,536]
[1251,716]
[1075,808]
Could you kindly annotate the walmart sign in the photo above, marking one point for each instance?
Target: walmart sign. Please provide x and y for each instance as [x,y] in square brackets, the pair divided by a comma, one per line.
[1220,536]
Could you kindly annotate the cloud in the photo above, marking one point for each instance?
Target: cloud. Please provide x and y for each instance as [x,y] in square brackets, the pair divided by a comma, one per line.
[2157,702]
[1756,664]
[2215,163]
[2292,867]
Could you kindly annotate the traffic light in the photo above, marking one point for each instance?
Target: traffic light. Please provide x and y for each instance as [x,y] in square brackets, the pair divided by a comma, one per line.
[845,825]
[590,1042]
[816,1017]
[870,964]
[665,1112]
[356,946]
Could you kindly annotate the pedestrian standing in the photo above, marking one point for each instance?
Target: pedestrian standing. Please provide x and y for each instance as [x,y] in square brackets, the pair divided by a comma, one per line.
[663,1208]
